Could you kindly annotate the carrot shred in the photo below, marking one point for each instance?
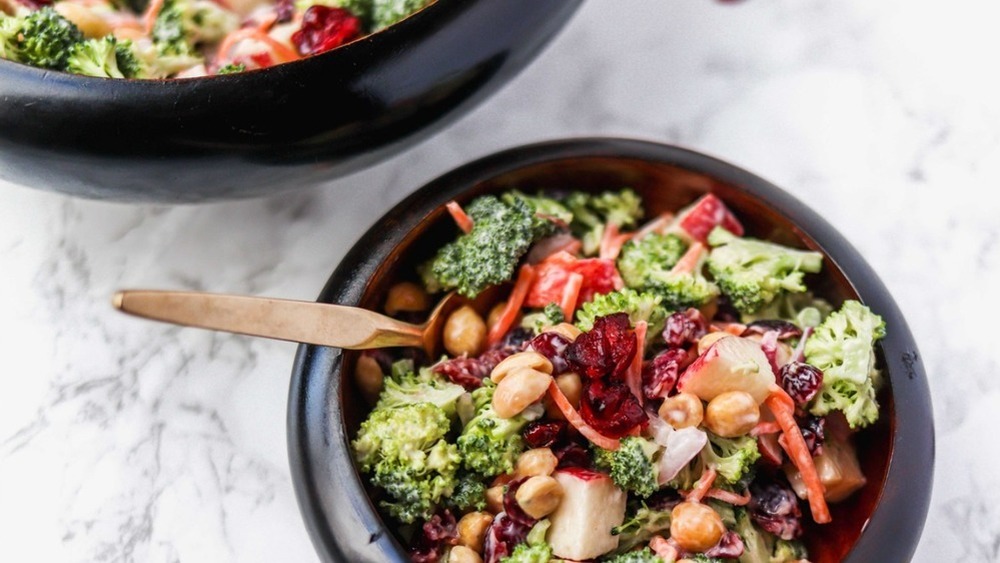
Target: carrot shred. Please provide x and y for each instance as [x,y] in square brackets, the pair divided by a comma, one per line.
[657,225]
[574,418]
[729,497]
[633,376]
[703,485]
[571,293]
[765,428]
[664,549]
[783,408]
[152,12]
[689,261]
[513,306]
[461,218]
[283,53]
[612,242]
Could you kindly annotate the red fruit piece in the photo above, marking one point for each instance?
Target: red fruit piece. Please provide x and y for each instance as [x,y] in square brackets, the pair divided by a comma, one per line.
[607,349]
[610,408]
[553,346]
[801,381]
[538,434]
[599,276]
[698,219]
[504,533]
[325,28]
[660,375]
[684,328]
[434,537]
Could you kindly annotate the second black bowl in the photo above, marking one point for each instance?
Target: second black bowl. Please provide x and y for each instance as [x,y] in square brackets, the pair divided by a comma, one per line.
[274,129]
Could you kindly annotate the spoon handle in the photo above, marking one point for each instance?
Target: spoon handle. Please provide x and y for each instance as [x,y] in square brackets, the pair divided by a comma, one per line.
[282,319]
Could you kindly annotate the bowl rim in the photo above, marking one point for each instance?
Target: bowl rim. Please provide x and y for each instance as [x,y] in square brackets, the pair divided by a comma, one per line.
[909,474]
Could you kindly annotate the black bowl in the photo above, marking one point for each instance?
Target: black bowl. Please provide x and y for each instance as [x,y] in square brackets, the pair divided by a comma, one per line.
[268,130]
[880,523]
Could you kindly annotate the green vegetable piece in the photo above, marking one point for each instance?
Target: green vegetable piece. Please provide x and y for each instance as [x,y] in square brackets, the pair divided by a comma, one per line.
[591,212]
[633,467]
[639,306]
[538,321]
[644,555]
[528,553]
[232,68]
[43,39]
[654,254]
[752,273]
[469,494]
[104,58]
[408,388]
[489,444]
[733,458]
[182,25]
[843,348]
[640,527]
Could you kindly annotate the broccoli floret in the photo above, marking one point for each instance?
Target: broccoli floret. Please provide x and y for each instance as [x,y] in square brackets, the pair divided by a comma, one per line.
[538,321]
[733,458]
[753,272]
[104,58]
[639,528]
[388,12]
[591,212]
[803,309]
[786,551]
[644,555]
[702,558]
[42,38]
[682,290]
[232,68]
[633,468]
[469,494]
[529,553]
[639,306]
[842,347]
[405,452]
[408,388]
[490,444]
[503,230]
[757,544]
[182,25]
[549,207]
[653,253]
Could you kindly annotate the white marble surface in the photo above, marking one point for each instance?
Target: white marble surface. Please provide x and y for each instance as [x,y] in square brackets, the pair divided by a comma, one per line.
[122,440]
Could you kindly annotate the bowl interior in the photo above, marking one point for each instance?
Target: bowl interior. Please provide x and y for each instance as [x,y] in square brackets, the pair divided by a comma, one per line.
[663,187]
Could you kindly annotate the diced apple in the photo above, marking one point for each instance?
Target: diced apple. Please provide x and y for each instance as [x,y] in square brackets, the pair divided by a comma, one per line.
[838,471]
[591,506]
[699,218]
[730,364]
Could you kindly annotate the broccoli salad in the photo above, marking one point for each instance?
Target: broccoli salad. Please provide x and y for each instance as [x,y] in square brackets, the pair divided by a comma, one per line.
[661,389]
[184,38]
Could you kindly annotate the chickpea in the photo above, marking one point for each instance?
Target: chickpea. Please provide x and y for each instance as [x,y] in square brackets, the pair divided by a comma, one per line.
[572,387]
[462,554]
[494,316]
[406,296]
[539,496]
[519,390]
[683,410]
[464,332]
[472,530]
[695,526]
[494,499]
[732,414]
[539,461]
[369,377]
[531,360]
[711,338]
[565,329]
[91,25]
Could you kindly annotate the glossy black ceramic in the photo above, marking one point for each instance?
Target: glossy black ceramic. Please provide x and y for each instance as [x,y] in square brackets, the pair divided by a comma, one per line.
[880,523]
[269,130]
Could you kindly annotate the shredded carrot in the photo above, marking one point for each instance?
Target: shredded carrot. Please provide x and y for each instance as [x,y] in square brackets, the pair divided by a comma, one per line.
[664,549]
[765,428]
[729,497]
[612,242]
[657,225]
[513,306]
[783,408]
[633,376]
[574,418]
[283,53]
[152,12]
[690,260]
[571,293]
[461,218]
[703,485]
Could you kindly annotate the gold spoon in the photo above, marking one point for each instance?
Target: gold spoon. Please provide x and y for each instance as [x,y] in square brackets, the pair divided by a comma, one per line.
[283,319]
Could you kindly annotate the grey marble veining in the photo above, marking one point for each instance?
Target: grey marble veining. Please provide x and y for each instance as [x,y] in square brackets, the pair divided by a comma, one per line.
[123,441]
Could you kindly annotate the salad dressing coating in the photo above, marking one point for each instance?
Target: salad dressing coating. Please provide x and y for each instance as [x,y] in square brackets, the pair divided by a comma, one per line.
[654,392]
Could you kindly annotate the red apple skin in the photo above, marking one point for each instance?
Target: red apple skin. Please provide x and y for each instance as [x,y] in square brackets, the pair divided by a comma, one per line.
[704,215]
[730,364]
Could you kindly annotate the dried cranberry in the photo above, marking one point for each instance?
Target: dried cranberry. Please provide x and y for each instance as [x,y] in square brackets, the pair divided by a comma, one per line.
[325,28]
[659,376]
[684,328]
[729,547]
[784,329]
[512,508]
[769,345]
[553,346]
[801,381]
[607,349]
[609,407]
[814,431]
[35,4]
[775,508]
[504,533]
[434,536]
[538,434]
[664,500]
[467,372]
[284,10]
[572,454]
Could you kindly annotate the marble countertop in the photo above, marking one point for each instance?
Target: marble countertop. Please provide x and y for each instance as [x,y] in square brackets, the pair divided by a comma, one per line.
[122,440]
